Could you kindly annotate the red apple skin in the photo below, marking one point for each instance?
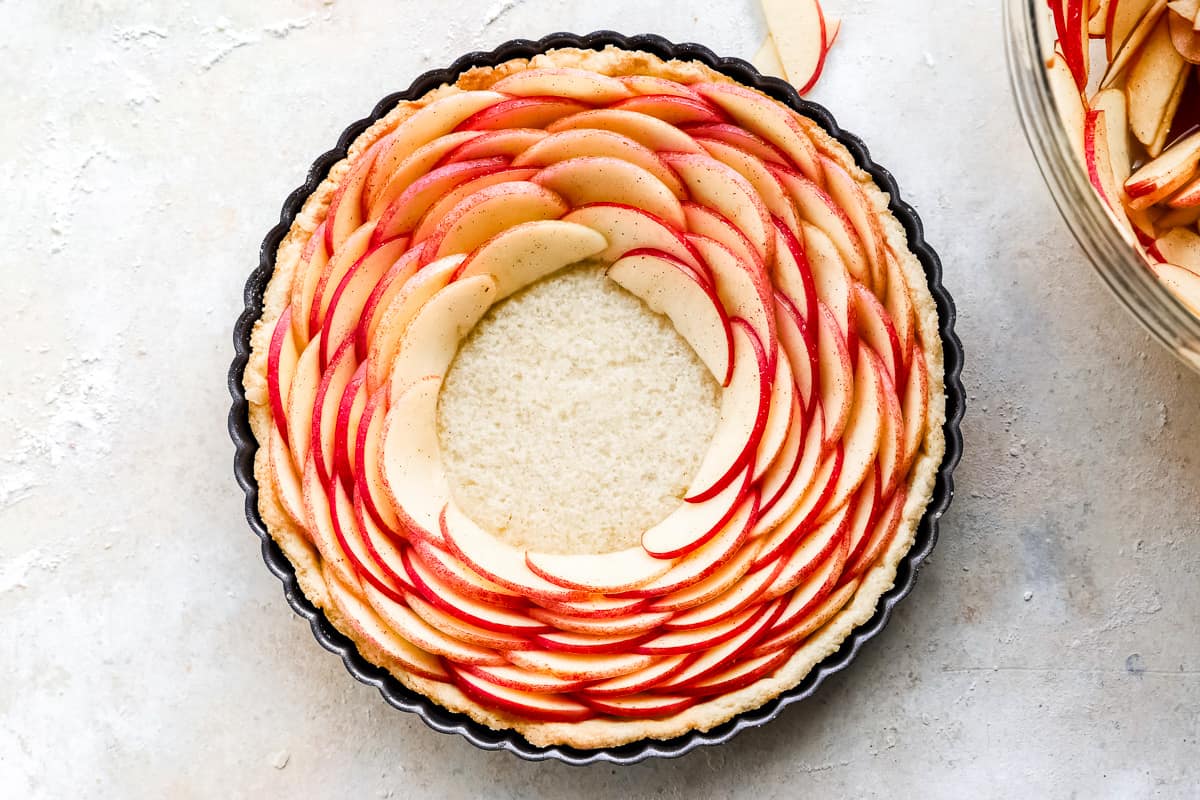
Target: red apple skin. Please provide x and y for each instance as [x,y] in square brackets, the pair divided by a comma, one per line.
[476,689]
[522,112]
[664,708]
[341,361]
[283,330]
[341,436]
[712,687]
[673,109]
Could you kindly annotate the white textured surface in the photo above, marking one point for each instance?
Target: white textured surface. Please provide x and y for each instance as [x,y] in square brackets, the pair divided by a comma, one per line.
[1050,649]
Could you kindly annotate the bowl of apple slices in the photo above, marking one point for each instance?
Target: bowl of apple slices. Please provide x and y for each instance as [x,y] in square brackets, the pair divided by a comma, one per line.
[1109,94]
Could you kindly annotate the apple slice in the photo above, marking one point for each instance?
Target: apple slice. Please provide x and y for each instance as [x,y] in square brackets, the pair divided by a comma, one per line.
[602,573]
[1163,176]
[599,179]
[752,168]
[504,143]
[806,624]
[383,549]
[646,130]
[595,607]
[884,525]
[672,288]
[627,228]
[371,629]
[1071,22]
[287,482]
[705,560]
[817,207]
[640,622]
[523,679]
[381,297]
[339,264]
[634,682]
[412,462]
[318,515]
[1098,22]
[783,490]
[690,525]
[1154,87]
[720,655]
[798,519]
[589,142]
[347,207]
[522,112]
[914,406]
[875,330]
[786,465]
[588,643]
[413,628]
[495,560]
[672,109]
[1186,198]
[401,216]
[420,162]
[345,430]
[791,274]
[744,290]
[313,259]
[490,211]
[426,124]
[1185,35]
[1127,34]
[282,358]
[1069,101]
[395,318]
[780,418]
[848,194]
[720,581]
[738,676]
[864,430]
[1123,17]
[740,138]
[580,666]
[325,407]
[1181,247]
[463,578]
[1099,167]
[899,304]
[765,117]
[445,204]
[703,221]
[672,643]
[577,84]
[641,706]
[1114,105]
[801,25]
[822,552]
[530,251]
[745,592]
[800,347]
[367,467]
[837,375]
[745,405]
[831,280]
[349,299]
[532,705]
[654,85]
[721,188]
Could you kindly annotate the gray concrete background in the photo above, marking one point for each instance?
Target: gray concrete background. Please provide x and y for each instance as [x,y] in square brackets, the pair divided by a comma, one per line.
[1050,648]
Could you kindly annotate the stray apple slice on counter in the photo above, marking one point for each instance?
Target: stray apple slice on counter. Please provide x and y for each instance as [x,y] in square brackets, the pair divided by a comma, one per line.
[798,26]
[767,60]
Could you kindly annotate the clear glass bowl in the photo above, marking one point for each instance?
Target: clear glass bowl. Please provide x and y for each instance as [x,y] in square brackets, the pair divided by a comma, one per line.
[1029,37]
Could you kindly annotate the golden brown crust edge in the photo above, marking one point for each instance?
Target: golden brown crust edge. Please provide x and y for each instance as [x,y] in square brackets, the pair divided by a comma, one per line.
[603,732]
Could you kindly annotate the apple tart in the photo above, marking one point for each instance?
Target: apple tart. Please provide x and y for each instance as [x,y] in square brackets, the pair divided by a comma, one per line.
[702,205]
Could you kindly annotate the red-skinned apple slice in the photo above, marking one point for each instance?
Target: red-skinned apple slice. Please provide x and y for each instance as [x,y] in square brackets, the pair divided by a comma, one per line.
[720,655]
[431,339]
[787,493]
[864,430]
[837,375]
[745,405]
[285,478]
[631,625]
[740,138]
[600,179]
[1071,22]
[339,264]
[780,418]
[421,162]
[831,280]
[588,643]
[744,593]
[804,514]
[496,560]
[891,438]
[818,208]
[721,188]
[590,142]
[531,705]
[442,208]
[899,305]
[672,288]
[426,124]
[325,407]
[627,228]
[800,347]
[576,84]
[347,206]
[690,525]
[640,706]
[1099,167]
[390,285]
[641,680]
[528,252]
[823,550]
[522,112]
[1183,282]
[465,631]
[806,625]
[801,24]
[1180,247]
[1071,107]
[705,639]
[490,211]
[1122,17]
[808,595]
[703,221]
[505,143]
[318,516]
[413,628]
[349,299]
[654,85]
[718,582]
[849,196]
[672,109]
[779,475]
[868,504]
[523,679]
[412,462]
[345,431]
[385,552]
[738,676]
[370,628]
[463,578]
[1154,87]
[1187,198]
[595,607]
[282,358]
[603,573]
[744,290]
[404,213]
[1131,23]
[313,259]
[792,274]
[368,470]
[1163,176]
[580,666]
[914,406]
[648,131]
[875,330]
[884,527]
[762,179]
[768,119]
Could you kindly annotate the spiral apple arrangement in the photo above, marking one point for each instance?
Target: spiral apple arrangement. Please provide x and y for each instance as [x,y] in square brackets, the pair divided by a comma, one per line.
[720,209]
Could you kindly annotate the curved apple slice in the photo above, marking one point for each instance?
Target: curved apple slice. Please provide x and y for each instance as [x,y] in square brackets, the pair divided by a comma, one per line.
[766,118]
[673,109]
[445,204]
[672,288]
[736,677]
[395,317]
[786,465]
[1183,282]
[313,260]
[600,179]
[913,408]
[426,124]
[777,537]
[652,84]
[384,548]
[747,591]
[577,84]
[580,666]
[787,491]
[808,623]
[799,343]
[589,142]
[523,679]
[891,438]
[403,214]
[390,285]
[802,25]
[330,391]
[431,339]
[506,142]
[594,607]
[530,251]
[815,206]
[703,221]
[849,196]
[648,131]
[720,581]
[463,578]
[864,430]
[412,461]
[762,179]
[780,418]
[302,399]
[899,304]
[640,622]
[811,589]
[412,628]
[831,279]
[745,405]
[885,525]
[875,329]
[370,628]
[345,430]
[672,643]
[282,358]
[368,472]
[641,706]
[345,257]
[319,524]
[522,112]
[837,375]
[721,651]
[287,482]
[490,211]
[827,545]
[495,560]
[353,539]
[744,289]
[740,138]
[792,274]
[627,228]
[465,631]
[643,679]
[588,643]
[602,573]
[350,297]
[723,189]
[420,162]
[867,508]
[347,206]
[690,525]
[532,705]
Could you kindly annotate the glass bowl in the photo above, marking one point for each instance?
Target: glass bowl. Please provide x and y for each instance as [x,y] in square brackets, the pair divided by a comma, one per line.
[1029,38]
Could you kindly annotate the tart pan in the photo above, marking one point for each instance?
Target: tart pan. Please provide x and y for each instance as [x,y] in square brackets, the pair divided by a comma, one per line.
[445,721]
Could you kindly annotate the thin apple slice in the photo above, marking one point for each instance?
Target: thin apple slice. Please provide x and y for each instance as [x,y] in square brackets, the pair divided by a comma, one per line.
[690,525]
[1154,86]
[768,119]
[672,109]
[318,514]
[837,375]
[371,629]
[384,549]
[368,464]
[522,112]
[1098,22]
[752,168]
[739,676]
[420,162]
[523,679]
[595,607]
[426,124]
[345,257]
[783,414]
[1163,176]
[302,400]
[718,656]
[641,706]
[719,582]
[868,505]
[803,514]
[891,439]
[590,142]
[1186,198]
[914,406]
[345,430]
[463,578]
[1116,120]
[747,591]
[631,625]
[603,573]
[577,84]
[800,26]
[282,358]
[740,138]
[349,299]
[818,208]
[884,527]
[848,194]
[1068,100]
[313,260]
[634,682]
[442,208]
[721,188]
[532,705]
[627,228]
[496,560]
[799,344]
[672,288]
[490,211]
[530,251]
[783,470]
[588,643]
[644,129]
[504,143]
[1122,18]
[1185,36]
[465,631]
[413,628]
[402,215]
[412,461]
[347,206]
[1071,22]
[678,642]
[792,275]
[579,666]
[654,85]
[899,304]
[286,480]
[831,280]
[864,430]
[745,405]
[1181,247]
[782,493]
[380,300]
[744,290]
[876,331]
[600,179]
[703,221]
[821,552]
[1128,33]
[807,624]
